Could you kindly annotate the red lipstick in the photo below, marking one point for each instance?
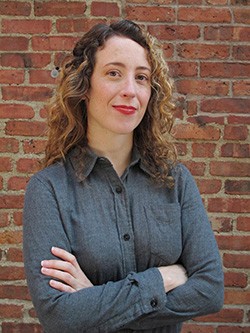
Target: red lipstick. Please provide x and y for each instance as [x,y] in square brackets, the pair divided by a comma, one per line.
[125,109]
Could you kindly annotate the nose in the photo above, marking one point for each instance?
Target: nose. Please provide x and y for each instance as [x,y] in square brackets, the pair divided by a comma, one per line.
[129,87]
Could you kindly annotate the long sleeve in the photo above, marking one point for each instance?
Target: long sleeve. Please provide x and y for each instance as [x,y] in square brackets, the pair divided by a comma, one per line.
[203,293]
[102,308]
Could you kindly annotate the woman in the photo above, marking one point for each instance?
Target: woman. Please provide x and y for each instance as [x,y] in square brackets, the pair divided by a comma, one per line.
[116,238]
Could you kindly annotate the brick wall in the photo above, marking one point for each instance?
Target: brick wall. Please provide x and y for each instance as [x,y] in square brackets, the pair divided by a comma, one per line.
[207,45]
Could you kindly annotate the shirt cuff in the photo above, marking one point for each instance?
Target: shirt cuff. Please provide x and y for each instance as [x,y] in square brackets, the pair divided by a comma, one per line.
[152,292]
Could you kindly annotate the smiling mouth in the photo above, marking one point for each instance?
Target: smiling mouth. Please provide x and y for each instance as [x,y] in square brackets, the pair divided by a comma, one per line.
[124,109]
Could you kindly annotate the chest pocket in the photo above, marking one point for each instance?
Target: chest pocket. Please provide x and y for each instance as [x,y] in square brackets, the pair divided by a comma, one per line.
[165,232]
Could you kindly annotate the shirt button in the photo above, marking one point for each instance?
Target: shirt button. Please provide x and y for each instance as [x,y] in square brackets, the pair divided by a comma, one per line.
[126,237]
[154,303]
[118,189]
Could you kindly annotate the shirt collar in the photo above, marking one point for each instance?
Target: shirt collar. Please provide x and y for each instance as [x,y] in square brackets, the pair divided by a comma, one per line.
[86,159]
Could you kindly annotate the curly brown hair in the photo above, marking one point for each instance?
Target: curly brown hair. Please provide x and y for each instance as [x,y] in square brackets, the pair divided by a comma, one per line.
[67,116]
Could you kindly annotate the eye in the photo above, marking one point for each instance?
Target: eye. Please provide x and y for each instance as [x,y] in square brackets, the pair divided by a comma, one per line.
[142,77]
[113,73]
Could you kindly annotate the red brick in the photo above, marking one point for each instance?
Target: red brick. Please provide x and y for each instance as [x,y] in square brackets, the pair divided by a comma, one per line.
[150,13]
[235,132]
[69,25]
[229,169]
[41,77]
[15,8]
[59,8]
[187,2]
[204,120]
[27,60]
[11,311]
[233,329]
[25,128]
[243,223]
[227,33]
[53,43]
[237,297]
[11,273]
[236,150]
[226,105]
[11,237]
[209,186]
[26,26]
[14,255]
[11,76]
[11,201]
[217,2]
[228,205]
[242,15]
[14,43]
[9,145]
[175,32]
[221,224]
[196,168]
[14,292]
[18,218]
[197,14]
[241,88]
[232,119]
[191,108]
[203,149]
[195,132]
[234,243]
[8,327]
[225,70]
[5,164]
[235,279]
[195,328]
[241,52]
[34,146]
[224,316]
[104,9]
[183,68]
[202,87]
[26,93]
[28,165]
[181,148]
[236,260]
[168,50]
[4,220]
[17,183]
[237,187]
[203,51]
[15,111]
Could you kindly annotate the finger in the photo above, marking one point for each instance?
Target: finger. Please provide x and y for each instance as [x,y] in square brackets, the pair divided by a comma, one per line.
[61,286]
[62,276]
[63,254]
[57,264]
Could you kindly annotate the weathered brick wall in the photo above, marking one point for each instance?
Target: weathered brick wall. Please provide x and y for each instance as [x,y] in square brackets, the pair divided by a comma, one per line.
[207,45]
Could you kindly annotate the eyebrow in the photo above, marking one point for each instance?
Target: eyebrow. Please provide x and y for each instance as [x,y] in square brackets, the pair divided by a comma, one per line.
[120,64]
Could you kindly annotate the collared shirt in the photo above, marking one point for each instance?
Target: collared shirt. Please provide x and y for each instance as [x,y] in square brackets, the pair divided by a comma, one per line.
[120,229]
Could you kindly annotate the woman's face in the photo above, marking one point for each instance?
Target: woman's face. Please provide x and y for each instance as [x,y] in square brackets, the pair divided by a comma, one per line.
[120,88]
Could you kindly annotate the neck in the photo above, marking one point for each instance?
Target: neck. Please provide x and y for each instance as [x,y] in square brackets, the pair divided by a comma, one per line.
[117,150]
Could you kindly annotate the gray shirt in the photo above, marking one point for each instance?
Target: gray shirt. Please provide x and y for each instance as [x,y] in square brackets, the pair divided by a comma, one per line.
[120,229]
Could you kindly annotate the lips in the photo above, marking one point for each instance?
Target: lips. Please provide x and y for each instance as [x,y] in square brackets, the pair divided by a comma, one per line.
[125,109]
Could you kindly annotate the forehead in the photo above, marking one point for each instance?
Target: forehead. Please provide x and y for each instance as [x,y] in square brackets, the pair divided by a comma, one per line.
[123,49]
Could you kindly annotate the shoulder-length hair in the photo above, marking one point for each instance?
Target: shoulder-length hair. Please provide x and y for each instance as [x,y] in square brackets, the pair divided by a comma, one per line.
[67,116]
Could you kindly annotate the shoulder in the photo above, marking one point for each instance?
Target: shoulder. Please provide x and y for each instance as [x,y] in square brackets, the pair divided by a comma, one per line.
[181,173]
[48,176]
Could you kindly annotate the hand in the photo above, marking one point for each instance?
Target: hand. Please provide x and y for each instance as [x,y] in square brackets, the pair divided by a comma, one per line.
[67,270]
[173,276]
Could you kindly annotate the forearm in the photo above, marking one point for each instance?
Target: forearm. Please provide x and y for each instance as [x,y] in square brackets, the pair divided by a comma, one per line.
[105,308]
